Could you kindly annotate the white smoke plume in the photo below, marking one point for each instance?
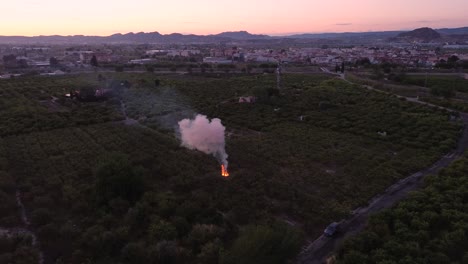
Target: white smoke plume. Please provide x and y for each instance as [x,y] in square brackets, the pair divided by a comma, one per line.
[204,135]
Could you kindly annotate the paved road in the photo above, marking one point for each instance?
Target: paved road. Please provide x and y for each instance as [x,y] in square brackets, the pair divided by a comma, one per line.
[317,251]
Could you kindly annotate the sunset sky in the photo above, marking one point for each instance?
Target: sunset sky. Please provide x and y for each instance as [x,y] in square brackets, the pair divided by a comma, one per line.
[106,17]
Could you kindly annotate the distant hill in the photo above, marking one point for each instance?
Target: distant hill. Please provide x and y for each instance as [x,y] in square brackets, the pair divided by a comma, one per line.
[379,34]
[420,34]
[240,35]
[453,31]
[425,34]
[140,37]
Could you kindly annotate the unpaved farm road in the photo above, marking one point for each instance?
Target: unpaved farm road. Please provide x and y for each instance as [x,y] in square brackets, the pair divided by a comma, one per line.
[317,251]
[12,232]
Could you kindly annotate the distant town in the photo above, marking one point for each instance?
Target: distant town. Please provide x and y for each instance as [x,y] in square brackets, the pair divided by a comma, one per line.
[335,148]
[236,52]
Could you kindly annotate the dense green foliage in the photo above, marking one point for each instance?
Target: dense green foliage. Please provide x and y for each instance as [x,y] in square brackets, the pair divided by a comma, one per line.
[429,227]
[452,62]
[446,92]
[448,82]
[409,91]
[118,179]
[38,104]
[264,245]
[8,211]
[310,152]
[443,86]
[456,104]
[17,249]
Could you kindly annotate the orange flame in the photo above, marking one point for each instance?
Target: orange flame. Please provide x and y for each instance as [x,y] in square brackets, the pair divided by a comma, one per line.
[224,171]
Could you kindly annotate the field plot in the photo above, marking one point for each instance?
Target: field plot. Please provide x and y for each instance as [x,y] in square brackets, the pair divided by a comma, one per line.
[430,226]
[454,82]
[38,104]
[300,157]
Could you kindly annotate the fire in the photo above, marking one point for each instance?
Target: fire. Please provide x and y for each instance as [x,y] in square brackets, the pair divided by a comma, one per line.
[224,171]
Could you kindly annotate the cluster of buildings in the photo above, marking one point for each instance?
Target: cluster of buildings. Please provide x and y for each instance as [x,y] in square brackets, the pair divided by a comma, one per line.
[45,59]
[174,52]
[409,56]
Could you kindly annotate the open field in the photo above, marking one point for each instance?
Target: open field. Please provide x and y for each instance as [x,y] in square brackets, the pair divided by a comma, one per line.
[299,158]
[443,90]
[402,90]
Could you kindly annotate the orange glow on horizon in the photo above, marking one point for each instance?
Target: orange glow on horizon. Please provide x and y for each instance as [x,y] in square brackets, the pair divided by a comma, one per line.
[106,17]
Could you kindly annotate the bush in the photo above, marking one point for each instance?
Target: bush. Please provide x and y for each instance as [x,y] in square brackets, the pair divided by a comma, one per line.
[162,230]
[41,216]
[264,244]
[446,92]
[116,177]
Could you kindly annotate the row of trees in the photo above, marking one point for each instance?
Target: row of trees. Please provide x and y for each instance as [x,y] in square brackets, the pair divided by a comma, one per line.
[156,202]
[431,226]
[452,62]
[134,210]
[28,104]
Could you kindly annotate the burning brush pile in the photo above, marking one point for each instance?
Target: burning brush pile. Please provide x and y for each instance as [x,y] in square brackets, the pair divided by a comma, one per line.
[206,136]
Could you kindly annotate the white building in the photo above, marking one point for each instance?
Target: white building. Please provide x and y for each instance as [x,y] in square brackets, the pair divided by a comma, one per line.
[216,60]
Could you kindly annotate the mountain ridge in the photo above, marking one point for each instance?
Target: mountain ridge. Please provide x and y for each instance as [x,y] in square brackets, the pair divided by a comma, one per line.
[156,37]
[425,34]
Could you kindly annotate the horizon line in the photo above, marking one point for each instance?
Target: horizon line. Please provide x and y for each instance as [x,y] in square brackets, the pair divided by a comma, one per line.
[286,34]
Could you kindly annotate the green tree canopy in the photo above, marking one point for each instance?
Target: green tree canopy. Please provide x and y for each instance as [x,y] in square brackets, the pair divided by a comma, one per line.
[264,244]
[117,178]
[94,61]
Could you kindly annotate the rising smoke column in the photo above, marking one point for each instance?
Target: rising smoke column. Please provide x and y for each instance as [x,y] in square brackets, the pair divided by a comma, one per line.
[204,135]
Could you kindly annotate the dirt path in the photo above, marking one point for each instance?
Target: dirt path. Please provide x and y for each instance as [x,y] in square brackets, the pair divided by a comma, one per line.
[128,121]
[10,232]
[317,251]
